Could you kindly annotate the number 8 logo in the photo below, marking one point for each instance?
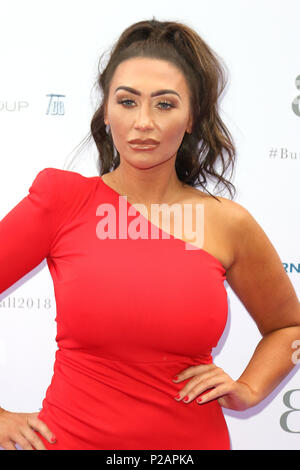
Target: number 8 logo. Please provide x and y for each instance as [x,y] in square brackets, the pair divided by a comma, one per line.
[296,101]
[286,401]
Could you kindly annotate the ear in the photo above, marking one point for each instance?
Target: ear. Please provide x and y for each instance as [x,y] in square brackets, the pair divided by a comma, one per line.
[105,115]
[190,125]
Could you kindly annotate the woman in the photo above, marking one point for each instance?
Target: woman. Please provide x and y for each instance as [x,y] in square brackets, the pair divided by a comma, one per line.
[135,310]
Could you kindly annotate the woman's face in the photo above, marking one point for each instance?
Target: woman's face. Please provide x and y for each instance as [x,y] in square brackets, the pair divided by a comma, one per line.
[135,114]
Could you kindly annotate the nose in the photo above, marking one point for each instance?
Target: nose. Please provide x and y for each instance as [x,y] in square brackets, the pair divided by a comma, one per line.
[144,119]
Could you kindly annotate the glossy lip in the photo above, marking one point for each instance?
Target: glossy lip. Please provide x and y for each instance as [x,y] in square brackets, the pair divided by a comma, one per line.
[143,147]
[144,142]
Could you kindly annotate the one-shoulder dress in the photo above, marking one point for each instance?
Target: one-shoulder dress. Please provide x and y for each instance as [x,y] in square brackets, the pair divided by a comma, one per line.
[131,312]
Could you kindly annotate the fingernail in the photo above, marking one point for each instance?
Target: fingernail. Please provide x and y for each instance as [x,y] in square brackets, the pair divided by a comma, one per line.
[177,396]
[199,400]
[52,439]
[176,377]
[186,398]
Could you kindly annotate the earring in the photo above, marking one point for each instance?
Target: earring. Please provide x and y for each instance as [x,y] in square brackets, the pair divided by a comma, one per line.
[107,128]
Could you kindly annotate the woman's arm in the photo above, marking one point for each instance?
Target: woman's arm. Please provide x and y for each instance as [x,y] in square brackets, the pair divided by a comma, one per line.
[26,235]
[259,280]
[27,231]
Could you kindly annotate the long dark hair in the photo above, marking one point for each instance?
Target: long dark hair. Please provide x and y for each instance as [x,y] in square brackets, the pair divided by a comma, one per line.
[202,150]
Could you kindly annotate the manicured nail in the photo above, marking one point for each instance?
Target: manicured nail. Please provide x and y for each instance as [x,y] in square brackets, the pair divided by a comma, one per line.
[186,398]
[199,400]
[177,396]
[176,377]
[52,439]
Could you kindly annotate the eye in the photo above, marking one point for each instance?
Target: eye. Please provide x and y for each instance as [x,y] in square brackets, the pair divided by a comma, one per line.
[166,103]
[125,101]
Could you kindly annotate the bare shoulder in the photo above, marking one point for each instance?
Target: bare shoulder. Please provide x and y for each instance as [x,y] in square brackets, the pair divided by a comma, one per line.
[219,203]
[257,275]
[237,225]
[241,225]
[230,211]
[224,220]
[229,214]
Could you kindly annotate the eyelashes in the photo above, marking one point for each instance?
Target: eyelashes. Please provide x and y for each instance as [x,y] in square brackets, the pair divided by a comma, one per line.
[170,105]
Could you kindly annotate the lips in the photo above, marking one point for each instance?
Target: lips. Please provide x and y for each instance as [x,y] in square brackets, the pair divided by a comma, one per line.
[144,142]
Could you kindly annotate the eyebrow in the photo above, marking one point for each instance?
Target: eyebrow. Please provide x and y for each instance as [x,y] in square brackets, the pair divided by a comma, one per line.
[155,93]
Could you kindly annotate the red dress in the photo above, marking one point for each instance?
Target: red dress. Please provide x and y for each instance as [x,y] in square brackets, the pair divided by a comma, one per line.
[130,313]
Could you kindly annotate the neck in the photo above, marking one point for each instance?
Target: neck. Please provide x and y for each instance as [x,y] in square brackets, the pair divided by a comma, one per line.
[147,186]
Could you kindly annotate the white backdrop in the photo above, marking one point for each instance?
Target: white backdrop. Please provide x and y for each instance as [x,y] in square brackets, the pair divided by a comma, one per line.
[53,47]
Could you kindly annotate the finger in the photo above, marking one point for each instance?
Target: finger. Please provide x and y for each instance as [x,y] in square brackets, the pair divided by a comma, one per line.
[39,425]
[23,442]
[33,439]
[193,370]
[191,391]
[201,383]
[215,393]
[9,445]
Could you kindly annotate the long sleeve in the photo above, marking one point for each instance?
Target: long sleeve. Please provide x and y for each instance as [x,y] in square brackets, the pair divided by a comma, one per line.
[27,231]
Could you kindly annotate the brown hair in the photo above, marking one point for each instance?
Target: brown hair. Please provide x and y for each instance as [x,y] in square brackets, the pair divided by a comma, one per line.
[200,151]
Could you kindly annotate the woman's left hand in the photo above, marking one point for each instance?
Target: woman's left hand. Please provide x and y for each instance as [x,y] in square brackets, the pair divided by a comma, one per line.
[235,395]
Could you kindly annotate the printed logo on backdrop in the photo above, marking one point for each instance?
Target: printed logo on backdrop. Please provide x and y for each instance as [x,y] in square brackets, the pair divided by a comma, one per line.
[26,303]
[56,106]
[282,153]
[290,420]
[296,101]
[291,268]
[13,106]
